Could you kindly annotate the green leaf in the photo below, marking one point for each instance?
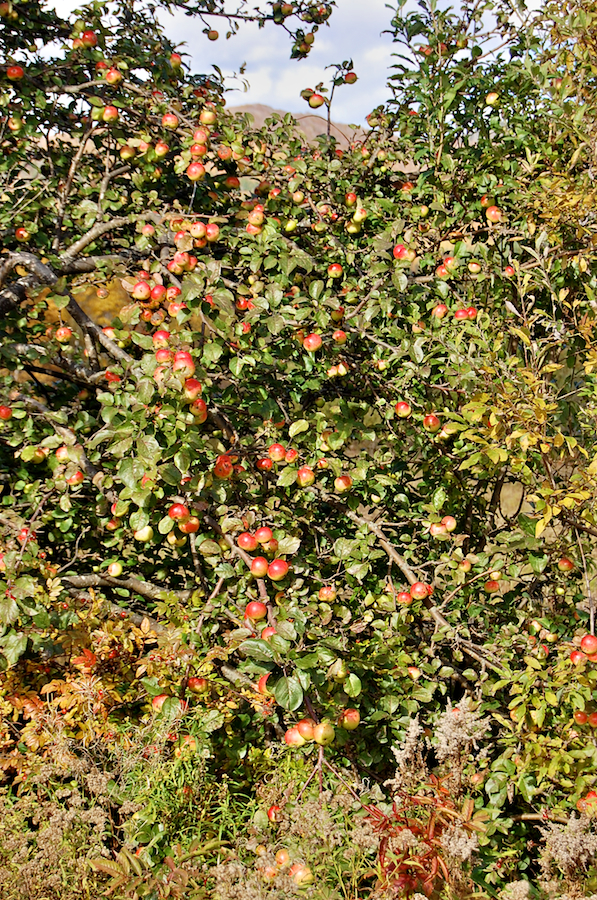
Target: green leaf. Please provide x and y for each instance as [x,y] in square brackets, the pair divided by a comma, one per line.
[439,498]
[297,427]
[288,545]
[9,611]
[14,645]
[352,685]
[315,289]
[344,548]
[257,649]
[288,693]
[287,477]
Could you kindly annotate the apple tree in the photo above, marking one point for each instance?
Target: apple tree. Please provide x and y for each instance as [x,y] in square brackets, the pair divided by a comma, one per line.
[331,465]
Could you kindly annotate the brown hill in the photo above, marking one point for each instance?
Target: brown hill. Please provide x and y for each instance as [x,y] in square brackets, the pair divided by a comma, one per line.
[310,124]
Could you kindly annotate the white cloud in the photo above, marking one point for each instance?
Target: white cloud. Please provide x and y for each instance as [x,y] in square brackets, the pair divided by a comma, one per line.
[355,32]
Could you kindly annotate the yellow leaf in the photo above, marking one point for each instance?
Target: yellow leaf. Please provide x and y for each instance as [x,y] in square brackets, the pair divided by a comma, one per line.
[145,625]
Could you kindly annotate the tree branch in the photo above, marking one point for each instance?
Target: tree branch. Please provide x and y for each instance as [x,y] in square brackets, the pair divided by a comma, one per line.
[144,588]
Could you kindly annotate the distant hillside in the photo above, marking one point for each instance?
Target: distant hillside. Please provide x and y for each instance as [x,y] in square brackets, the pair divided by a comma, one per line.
[311,124]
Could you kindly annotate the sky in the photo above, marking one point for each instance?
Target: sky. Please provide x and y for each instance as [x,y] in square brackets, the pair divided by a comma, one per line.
[355,32]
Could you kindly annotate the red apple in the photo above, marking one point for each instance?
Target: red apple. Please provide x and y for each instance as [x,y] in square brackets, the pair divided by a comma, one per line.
[402,409]
[305,728]
[431,423]
[576,657]
[294,738]
[141,291]
[305,476]
[265,464]
[264,535]
[404,598]
[15,73]
[190,526]
[256,610]
[192,388]
[259,567]
[75,478]
[159,701]
[223,466]
[339,336]
[276,452]
[491,586]
[113,76]
[327,593]
[161,338]
[565,564]
[277,569]
[342,483]
[335,270]
[198,685]
[450,523]
[493,214]
[588,644]
[349,719]
[439,311]
[179,512]
[247,541]
[89,38]
[267,633]
[436,529]
[315,101]
[291,455]
[184,364]
[195,171]
[301,874]
[170,121]
[198,409]
[110,114]
[312,342]
[419,591]
[5,413]
[274,813]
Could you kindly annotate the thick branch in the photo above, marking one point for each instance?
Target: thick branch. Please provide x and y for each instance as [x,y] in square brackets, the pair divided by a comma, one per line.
[42,273]
[144,588]
[87,325]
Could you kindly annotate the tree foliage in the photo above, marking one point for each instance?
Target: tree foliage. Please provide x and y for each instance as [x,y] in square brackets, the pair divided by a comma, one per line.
[383,355]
